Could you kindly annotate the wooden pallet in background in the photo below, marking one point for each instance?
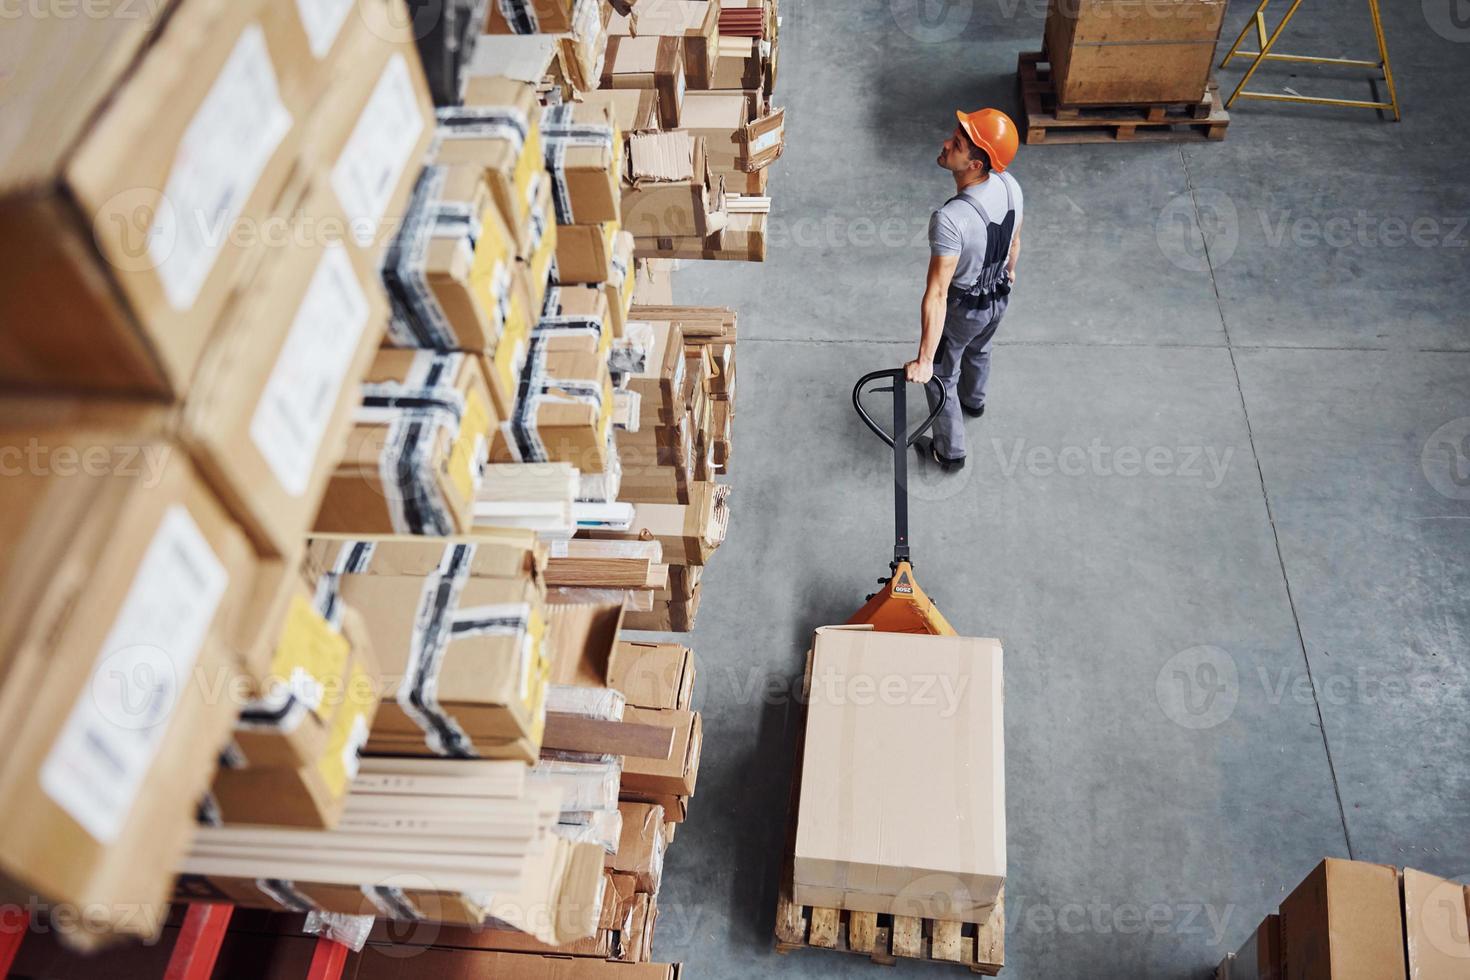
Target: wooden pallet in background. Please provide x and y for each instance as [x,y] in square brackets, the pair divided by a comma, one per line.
[1046,122]
[883,938]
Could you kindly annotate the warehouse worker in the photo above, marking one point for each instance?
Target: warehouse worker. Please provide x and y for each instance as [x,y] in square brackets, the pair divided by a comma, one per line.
[974,240]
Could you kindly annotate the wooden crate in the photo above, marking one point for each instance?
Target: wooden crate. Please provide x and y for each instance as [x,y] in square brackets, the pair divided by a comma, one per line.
[1044,121]
[883,938]
[1119,52]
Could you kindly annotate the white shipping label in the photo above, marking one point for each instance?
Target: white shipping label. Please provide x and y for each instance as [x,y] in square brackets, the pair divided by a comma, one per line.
[322,20]
[108,744]
[765,141]
[372,162]
[231,138]
[292,414]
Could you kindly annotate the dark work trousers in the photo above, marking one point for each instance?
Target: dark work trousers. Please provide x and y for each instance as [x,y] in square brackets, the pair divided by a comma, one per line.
[962,365]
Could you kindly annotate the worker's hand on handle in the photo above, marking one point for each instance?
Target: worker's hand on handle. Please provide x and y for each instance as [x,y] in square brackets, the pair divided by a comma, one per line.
[919,372]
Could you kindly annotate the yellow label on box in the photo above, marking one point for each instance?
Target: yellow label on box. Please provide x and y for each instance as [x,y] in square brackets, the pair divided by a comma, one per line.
[470,447]
[338,765]
[310,655]
[532,161]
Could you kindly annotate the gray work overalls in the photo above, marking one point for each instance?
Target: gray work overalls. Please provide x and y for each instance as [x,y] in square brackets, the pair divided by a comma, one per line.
[962,362]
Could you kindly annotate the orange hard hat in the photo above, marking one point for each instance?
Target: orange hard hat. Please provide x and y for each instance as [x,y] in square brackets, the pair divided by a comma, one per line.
[992,131]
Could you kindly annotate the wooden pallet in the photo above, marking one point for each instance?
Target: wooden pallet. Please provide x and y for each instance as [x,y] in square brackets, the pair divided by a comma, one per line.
[882,938]
[1046,122]
[887,938]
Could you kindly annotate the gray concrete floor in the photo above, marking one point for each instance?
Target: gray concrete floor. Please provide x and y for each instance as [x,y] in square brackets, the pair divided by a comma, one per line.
[1219,668]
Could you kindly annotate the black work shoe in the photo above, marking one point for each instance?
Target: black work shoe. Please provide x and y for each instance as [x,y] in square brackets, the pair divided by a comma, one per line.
[925,448]
[973,413]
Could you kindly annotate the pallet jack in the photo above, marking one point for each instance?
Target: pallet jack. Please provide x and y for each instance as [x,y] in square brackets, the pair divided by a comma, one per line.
[900,606]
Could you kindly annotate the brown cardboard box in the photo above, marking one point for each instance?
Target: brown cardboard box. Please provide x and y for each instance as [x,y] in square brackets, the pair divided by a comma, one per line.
[667,615]
[1343,922]
[530,17]
[695,22]
[537,263]
[653,675]
[450,271]
[196,144]
[1436,932]
[641,849]
[436,456]
[672,192]
[121,581]
[499,129]
[649,62]
[676,775]
[286,725]
[487,685]
[662,382]
[1111,52]
[312,793]
[1260,957]
[739,64]
[367,136]
[739,133]
[676,808]
[633,109]
[742,239]
[581,49]
[653,282]
[582,322]
[689,533]
[883,835]
[584,156]
[619,286]
[271,403]
[565,414]
[495,553]
[584,253]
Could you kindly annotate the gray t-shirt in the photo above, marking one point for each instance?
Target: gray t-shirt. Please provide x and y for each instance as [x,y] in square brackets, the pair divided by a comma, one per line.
[956,229]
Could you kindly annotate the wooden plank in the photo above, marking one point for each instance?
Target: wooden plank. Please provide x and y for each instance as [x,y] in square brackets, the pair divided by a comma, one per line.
[882,946]
[990,940]
[908,936]
[862,930]
[570,733]
[824,928]
[946,942]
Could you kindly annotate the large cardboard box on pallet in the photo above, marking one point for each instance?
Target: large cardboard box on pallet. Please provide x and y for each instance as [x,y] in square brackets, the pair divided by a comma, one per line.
[121,585]
[1259,958]
[131,215]
[1344,922]
[1436,931]
[1116,52]
[902,806]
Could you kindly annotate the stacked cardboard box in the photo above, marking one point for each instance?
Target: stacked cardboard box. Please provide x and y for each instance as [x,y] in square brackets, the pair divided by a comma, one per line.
[193,207]
[331,420]
[707,69]
[1357,919]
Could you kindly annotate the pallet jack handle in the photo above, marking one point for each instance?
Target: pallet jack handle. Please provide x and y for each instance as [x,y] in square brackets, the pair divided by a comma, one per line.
[900,451]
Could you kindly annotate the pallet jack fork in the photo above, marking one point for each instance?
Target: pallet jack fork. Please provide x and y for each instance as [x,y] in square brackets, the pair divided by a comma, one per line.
[900,606]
